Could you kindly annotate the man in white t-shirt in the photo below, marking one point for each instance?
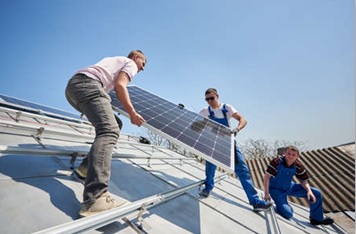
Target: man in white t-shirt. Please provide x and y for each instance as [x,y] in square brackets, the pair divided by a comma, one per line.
[222,113]
[87,91]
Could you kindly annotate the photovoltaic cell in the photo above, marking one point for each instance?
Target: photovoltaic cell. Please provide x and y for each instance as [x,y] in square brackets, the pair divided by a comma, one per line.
[7,101]
[200,135]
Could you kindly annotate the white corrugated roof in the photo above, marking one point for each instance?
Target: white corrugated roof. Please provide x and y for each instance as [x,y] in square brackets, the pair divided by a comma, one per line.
[38,192]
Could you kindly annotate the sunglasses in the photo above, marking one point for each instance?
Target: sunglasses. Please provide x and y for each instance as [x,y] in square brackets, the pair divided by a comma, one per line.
[210,99]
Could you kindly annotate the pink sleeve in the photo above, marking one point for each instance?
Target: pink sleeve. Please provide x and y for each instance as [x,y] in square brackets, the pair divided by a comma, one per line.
[130,68]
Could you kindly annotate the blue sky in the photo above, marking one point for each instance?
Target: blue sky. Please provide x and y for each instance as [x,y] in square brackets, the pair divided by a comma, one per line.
[288,66]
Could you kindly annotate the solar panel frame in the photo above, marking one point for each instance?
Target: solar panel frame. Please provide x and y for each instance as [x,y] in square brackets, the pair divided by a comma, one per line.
[27,106]
[197,134]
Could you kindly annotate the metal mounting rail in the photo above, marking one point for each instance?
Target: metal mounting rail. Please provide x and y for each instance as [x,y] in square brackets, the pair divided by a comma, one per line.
[48,131]
[272,223]
[33,151]
[24,114]
[49,152]
[271,220]
[107,217]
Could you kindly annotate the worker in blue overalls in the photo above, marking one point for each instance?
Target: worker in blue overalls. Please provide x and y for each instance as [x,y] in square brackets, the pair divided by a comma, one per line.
[222,113]
[278,184]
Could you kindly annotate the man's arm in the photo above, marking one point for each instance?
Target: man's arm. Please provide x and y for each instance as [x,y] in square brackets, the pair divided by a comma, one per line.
[266,187]
[122,94]
[306,186]
[242,121]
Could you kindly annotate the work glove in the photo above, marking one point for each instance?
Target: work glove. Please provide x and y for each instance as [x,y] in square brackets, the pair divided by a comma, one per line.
[234,131]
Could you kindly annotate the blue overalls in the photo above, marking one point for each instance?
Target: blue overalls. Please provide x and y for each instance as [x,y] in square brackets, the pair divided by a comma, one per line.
[282,186]
[241,168]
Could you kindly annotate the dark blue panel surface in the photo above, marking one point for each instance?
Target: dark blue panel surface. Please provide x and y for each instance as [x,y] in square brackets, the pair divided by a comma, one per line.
[200,135]
[35,108]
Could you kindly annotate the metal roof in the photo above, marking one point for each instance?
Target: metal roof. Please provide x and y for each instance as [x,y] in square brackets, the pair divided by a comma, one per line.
[39,194]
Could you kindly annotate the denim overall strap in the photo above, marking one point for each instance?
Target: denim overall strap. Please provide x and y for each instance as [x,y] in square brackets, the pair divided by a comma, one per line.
[223,121]
[284,177]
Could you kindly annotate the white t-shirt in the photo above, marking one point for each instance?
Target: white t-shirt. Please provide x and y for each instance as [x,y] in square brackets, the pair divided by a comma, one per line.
[107,70]
[218,112]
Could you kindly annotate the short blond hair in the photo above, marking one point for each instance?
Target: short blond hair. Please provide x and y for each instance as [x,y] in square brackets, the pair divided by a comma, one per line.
[292,148]
[136,52]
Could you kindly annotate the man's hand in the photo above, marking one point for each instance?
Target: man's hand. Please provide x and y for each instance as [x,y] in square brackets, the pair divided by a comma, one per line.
[234,131]
[311,197]
[267,197]
[137,119]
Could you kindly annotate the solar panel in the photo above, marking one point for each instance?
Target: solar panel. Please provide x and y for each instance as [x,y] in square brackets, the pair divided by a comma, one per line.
[197,134]
[35,108]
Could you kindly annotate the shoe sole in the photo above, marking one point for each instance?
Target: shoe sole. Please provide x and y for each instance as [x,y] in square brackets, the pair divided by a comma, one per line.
[83,214]
[325,224]
[78,178]
[262,209]
[79,174]
[259,210]
[203,196]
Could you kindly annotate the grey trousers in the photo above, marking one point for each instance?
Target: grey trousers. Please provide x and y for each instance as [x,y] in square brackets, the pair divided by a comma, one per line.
[88,97]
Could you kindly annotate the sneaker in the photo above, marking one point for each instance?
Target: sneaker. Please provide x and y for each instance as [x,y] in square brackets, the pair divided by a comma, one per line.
[103,203]
[81,172]
[204,193]
[326,221]
[262,206]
